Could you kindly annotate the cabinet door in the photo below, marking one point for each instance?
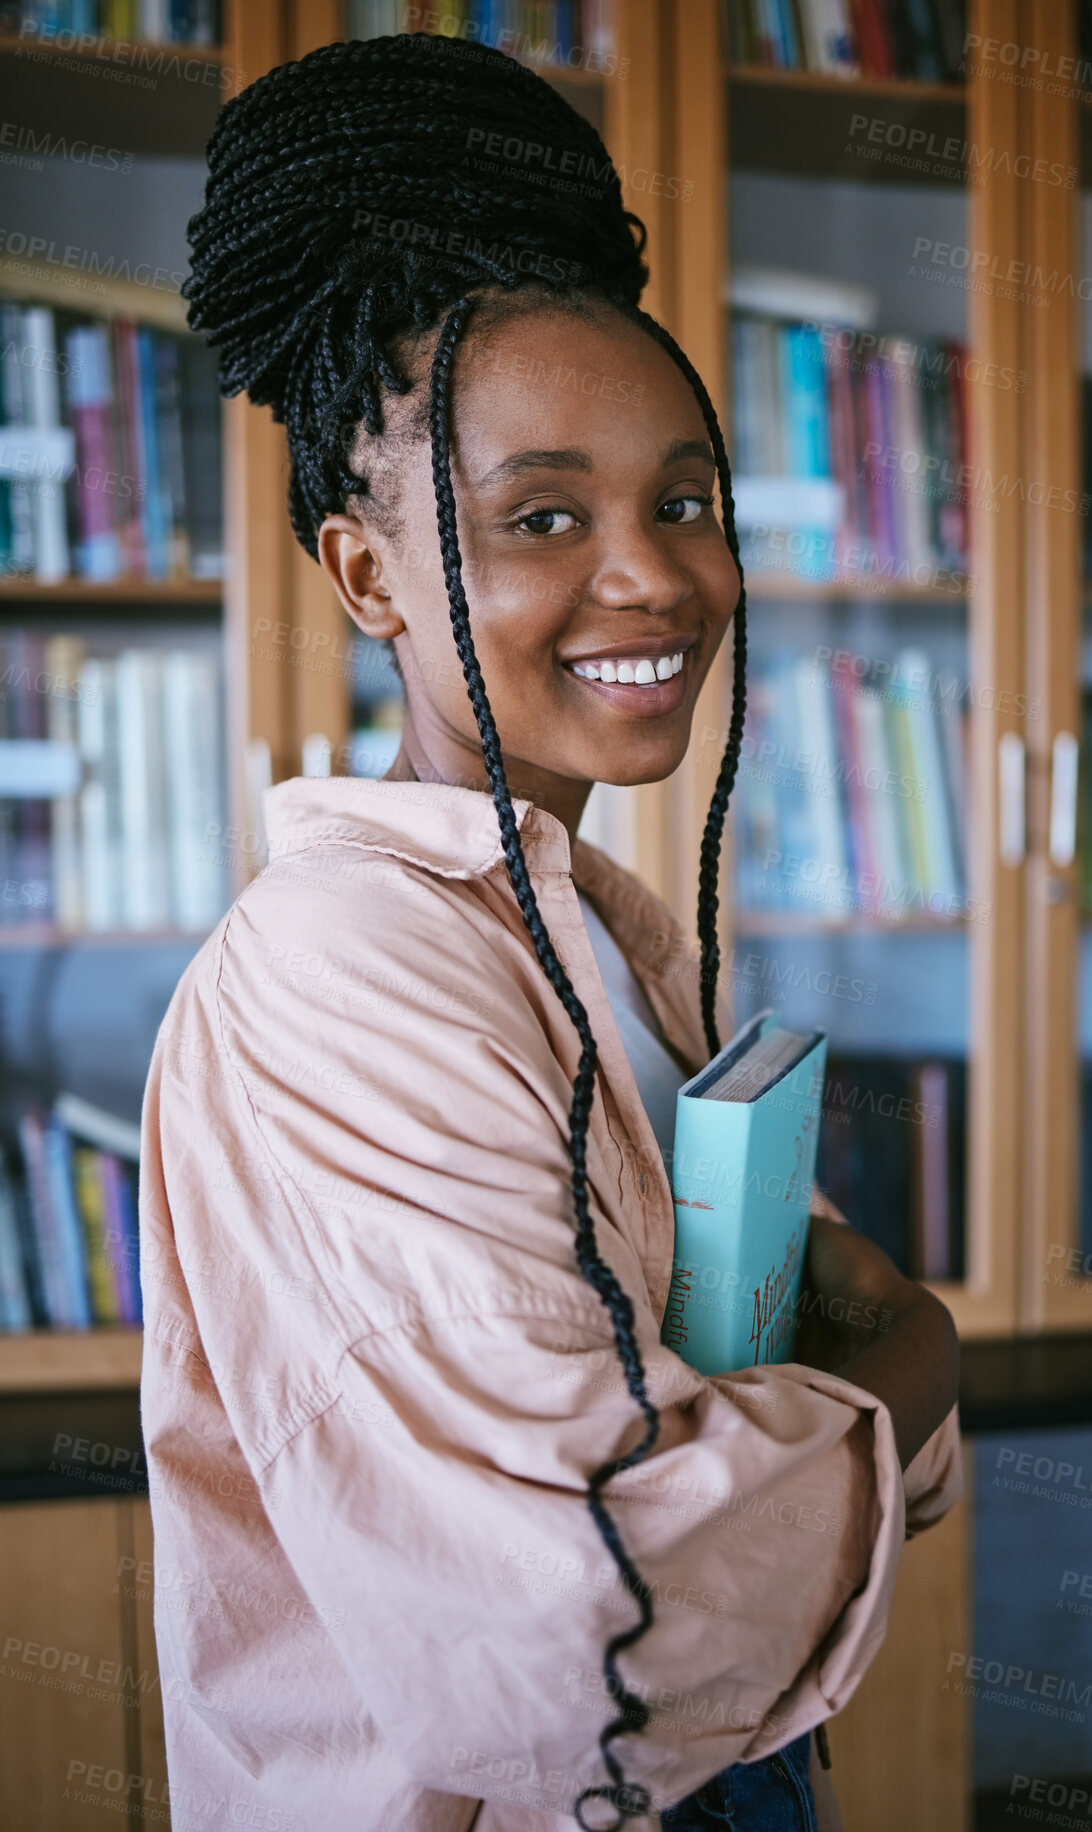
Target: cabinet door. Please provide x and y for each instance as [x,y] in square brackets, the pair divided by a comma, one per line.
[877,383]
[1056,1269]
[71,1679]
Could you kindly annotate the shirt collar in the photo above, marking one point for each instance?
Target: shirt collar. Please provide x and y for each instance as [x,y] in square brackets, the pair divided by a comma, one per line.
[448,830]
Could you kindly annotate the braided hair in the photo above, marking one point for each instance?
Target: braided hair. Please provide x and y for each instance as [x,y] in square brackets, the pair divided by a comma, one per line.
[344,210]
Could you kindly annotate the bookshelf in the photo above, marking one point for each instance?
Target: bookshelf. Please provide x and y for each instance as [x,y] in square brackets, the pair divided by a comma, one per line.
[687,108]
[86,256]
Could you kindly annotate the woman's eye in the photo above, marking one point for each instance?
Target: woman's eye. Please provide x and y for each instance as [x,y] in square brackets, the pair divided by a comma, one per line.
[684,509]
[546,521]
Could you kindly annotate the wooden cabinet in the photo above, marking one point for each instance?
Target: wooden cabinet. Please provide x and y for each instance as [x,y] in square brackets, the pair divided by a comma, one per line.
[81,1721]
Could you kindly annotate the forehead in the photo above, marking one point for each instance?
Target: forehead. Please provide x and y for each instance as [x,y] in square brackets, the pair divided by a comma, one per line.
[597,381]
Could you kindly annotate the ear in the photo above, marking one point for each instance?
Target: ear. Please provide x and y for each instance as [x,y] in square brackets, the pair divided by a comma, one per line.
[350,557]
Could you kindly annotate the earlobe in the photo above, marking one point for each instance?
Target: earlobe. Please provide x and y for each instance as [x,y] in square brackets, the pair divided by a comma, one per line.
[351,560]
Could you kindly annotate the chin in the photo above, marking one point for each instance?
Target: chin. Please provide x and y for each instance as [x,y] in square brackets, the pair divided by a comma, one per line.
[630,774]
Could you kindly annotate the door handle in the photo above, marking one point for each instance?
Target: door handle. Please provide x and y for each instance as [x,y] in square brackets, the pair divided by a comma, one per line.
[1063,800]
[1012,798]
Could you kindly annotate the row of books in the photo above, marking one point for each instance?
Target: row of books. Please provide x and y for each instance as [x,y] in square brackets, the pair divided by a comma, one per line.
[110,450]
[111,786]
[851,795]
[919,40]
[872,430]
[157,22]
[892,1155]
[573,32]
[69,1243]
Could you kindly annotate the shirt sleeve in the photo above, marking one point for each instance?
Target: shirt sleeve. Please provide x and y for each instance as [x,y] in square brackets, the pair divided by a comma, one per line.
[428,1486]
[933,1480]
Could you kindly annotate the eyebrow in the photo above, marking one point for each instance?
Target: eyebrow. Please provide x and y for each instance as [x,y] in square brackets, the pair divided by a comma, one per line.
[570,458]
[574,458]
[689,448]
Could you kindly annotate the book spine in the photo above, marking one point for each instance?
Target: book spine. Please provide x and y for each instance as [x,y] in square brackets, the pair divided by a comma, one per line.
[91,413]
[194,774]
[32,887]
[844,690]
[131,483]
[168,417]
[127,1203]
[100,795]
[120,1249]
[145,901]
[51,559]
[67,1221]
[91,1211]
[63,661]
[40,1209]
[915,843]
[153,519]
[16,1311]
[881,800]
[942,876]
[817,741]
[16,414]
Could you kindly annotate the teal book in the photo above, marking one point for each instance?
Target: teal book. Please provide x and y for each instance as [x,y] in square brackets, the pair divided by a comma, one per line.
[746,1130]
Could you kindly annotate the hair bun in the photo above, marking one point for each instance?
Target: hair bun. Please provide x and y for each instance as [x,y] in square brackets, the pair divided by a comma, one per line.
[361,189]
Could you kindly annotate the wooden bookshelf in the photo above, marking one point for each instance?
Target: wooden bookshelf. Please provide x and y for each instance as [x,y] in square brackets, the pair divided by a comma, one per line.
[862,87]
[67,1361]
[93,295]
[104,49]
[783,922]
[29,935]
[767,585]
[126,594]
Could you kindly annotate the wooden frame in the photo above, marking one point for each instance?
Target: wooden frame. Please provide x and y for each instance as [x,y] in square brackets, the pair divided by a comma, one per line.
[1052,1294]
[985,1304]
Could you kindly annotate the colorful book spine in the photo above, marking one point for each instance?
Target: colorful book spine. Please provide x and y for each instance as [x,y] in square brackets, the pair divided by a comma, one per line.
[121,1240]
[91,1206]
[90,401]
[852,792]
[883,424]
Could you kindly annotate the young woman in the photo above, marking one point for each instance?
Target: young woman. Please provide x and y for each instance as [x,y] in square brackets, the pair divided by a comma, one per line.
[444,1536]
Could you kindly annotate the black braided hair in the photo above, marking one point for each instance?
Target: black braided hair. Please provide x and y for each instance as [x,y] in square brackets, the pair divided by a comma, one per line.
[304,293]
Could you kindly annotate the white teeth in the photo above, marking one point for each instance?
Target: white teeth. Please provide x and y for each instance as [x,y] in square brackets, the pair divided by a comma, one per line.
[642,672]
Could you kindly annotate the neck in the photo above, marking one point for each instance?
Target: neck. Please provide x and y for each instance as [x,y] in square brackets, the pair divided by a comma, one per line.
[419,760]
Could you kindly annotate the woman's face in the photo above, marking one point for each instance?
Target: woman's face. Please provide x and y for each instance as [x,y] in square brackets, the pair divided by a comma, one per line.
[583,480]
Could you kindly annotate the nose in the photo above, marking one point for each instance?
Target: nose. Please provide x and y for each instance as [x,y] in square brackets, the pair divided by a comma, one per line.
[636,572]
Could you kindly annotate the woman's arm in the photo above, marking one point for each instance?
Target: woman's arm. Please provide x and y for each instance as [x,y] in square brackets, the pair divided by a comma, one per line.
[861,1319]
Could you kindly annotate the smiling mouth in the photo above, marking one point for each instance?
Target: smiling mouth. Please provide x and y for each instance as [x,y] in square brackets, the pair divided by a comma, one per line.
[638,683]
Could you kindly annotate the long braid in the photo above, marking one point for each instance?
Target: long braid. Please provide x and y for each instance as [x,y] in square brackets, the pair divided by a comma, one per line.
[630,1801]
[708,897]
[302,298]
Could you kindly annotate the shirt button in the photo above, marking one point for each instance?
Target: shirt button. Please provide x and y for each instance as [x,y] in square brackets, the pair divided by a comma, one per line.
[641,1182]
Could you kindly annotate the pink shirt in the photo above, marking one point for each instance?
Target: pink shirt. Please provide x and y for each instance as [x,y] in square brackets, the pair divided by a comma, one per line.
[375,1383]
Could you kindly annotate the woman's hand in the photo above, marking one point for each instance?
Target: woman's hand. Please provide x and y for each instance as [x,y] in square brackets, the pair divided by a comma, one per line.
[861,1319]
[851,1289]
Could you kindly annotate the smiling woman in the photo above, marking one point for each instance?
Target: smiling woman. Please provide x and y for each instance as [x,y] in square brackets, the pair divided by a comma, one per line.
[589,559]
[505,1592]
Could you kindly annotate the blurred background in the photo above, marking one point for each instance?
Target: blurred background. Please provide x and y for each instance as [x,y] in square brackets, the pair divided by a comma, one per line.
[869,227]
